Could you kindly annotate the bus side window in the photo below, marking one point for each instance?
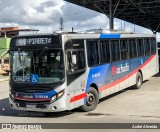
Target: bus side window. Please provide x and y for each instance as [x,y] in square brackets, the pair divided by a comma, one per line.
[147,46]
[124,50]
[115,50]
[105,51]
[140,47]
[153,46]
[92,52]
[133,48]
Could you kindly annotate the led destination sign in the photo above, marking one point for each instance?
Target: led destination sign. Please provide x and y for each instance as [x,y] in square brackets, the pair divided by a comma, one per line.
[36,40]
[33,41]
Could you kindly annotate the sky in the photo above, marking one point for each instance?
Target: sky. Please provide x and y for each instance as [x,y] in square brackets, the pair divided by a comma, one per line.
[45,15]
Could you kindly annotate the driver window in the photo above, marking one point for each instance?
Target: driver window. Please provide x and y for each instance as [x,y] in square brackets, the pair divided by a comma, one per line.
[76,61]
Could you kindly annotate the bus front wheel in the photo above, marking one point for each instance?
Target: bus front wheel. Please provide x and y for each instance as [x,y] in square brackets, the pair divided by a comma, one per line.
[92,100]
[139,80]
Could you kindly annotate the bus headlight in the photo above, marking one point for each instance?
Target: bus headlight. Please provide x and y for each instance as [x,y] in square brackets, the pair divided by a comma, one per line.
[60,94]
[53,98]
[57,96]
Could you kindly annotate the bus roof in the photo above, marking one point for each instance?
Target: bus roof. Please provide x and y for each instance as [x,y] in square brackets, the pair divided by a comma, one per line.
[95,33]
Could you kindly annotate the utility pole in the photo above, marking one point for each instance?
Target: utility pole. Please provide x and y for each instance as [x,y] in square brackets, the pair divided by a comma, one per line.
[61,24]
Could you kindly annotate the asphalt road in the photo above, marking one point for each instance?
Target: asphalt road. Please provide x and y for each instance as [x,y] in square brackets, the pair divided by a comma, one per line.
[128,106]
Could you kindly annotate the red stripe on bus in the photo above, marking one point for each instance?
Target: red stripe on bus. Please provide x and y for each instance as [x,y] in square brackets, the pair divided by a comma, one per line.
[78,97]
[32,99]
[125,77]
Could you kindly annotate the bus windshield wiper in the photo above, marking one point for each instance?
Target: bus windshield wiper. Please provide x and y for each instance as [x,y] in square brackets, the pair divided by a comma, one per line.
[42,52]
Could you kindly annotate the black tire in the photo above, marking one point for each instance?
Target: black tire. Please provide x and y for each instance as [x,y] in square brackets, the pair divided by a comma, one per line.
[92,100]
[139,80]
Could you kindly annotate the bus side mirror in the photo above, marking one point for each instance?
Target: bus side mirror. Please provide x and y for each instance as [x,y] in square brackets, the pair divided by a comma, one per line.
[2,59]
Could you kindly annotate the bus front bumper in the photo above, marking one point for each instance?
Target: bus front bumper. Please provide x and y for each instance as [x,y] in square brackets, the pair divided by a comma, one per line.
[59,105]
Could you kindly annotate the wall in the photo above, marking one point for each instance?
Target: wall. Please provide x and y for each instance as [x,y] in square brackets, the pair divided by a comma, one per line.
[4,44]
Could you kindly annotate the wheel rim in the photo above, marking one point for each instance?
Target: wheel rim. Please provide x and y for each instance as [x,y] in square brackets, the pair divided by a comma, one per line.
[90,99]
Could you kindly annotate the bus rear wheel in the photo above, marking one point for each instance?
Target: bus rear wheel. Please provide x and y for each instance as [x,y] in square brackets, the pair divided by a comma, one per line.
[139,80]
[92,100]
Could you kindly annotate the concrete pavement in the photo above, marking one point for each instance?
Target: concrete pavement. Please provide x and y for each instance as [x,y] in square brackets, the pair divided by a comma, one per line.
[128,106]
[4,78]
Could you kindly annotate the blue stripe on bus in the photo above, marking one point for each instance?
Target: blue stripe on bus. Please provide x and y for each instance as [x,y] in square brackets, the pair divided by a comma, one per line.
[50,94]
[110,36]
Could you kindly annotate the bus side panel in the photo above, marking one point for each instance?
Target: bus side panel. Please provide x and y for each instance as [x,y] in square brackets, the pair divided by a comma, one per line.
[147,69]
[77,91]
[122,70]
[146,65]
[132,80]
[135,64]
[71,105]
[109,91]
[141,61]
[115,76]
[152,67]
[108,80]
[124,83]
[100,76]
[116,86]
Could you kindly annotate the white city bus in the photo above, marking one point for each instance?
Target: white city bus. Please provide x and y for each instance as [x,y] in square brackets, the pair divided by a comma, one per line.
[63,71]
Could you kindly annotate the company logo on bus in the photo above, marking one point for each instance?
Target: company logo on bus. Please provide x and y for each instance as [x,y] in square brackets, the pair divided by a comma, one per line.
[120,69]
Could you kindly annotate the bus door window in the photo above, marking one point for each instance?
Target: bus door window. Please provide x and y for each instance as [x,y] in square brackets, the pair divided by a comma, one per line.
[76,60]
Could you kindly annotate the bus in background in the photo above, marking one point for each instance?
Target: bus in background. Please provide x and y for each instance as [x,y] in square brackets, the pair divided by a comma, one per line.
[63,71]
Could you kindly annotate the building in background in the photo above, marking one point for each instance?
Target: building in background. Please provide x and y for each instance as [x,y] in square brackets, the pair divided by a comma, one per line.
[6,33]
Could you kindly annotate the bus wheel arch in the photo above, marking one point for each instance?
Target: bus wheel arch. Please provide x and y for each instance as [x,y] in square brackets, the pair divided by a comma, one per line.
[139,80]
[94,86]
[141,74]
[92,99]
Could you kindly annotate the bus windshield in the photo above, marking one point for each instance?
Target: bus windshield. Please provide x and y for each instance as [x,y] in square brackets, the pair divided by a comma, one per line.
[37,66]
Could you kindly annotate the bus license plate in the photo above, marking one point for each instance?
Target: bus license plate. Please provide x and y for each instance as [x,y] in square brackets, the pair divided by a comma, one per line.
[31,106]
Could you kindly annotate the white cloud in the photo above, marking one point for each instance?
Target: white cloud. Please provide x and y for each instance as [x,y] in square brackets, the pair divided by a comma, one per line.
[45,15]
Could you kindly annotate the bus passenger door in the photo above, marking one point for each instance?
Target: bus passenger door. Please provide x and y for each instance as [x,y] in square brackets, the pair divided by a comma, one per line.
[76,67]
